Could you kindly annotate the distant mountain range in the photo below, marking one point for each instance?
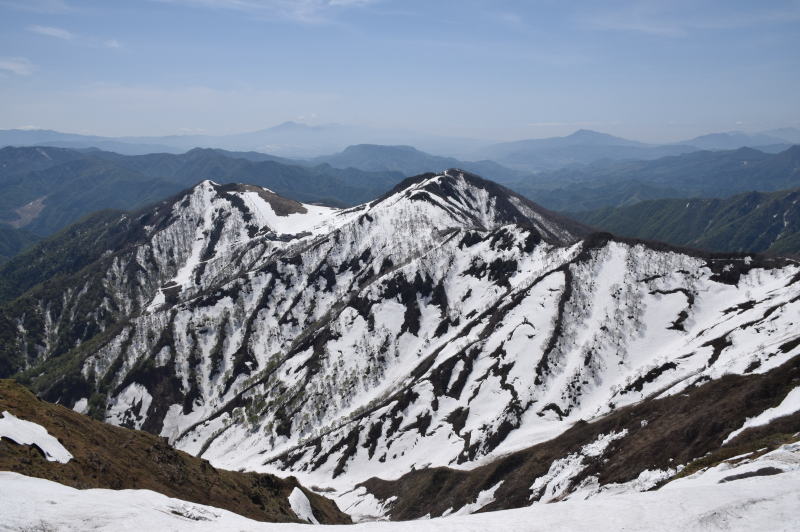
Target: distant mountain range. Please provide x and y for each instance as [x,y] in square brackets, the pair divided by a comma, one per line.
[751,222]
[704,174]
[46,137]
[585,147]
[302,141]
[738,139]
[290,139]
[582,147]
[411,161]
[44,189]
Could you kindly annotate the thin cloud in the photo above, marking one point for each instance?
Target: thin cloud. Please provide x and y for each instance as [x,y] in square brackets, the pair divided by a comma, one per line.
[510,19]
[61,33]
[300,10]
[50,31]
[19,66]
[679,19]
[37,6]
[637,26]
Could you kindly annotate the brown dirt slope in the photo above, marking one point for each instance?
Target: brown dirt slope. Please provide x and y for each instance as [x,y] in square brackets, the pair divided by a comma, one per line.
[112,457]
[687,428]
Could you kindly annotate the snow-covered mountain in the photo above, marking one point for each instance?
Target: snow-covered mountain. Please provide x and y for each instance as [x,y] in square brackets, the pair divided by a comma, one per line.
[449,323]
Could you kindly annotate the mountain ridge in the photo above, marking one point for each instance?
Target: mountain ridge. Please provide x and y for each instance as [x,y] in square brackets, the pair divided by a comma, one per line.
[750,222]
[298,140]
[731,140]
[702,174]
[69,185]
[411,161]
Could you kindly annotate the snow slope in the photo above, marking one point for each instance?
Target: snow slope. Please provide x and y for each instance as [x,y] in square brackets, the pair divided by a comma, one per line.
[697,503]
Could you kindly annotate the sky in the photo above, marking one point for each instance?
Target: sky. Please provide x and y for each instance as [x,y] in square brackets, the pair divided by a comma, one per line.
[653,70]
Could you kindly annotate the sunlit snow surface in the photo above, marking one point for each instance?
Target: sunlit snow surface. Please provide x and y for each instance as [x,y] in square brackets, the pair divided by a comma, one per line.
[315,218]
[29,433]
[699,502]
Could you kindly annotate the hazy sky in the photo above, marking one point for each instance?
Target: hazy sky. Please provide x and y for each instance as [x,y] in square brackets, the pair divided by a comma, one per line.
[494,69]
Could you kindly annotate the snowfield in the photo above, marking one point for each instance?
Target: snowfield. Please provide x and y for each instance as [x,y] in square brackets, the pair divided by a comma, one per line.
[699,502]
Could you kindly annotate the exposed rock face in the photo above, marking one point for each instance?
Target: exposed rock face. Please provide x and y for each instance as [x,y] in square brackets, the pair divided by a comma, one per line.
[444,324]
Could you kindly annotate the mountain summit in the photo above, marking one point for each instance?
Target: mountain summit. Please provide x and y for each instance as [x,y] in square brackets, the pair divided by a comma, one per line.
[590,137]
[476,202]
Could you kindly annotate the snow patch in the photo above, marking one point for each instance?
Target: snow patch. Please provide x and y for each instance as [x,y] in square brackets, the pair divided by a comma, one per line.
[294,223]
[81,405]
[556,483]
[789,405]
[484,497]
[28,433]
[301,506]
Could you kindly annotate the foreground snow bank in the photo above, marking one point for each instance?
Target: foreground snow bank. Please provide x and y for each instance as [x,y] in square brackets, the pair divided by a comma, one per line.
[753,503]
[28,433]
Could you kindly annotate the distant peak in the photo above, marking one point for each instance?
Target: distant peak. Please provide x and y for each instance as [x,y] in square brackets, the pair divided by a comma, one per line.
[747,150]
[589,134]
[206,184]
[195,151]
[379,147]
[481,203]
[793,150]
[288,125]
[721,134]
